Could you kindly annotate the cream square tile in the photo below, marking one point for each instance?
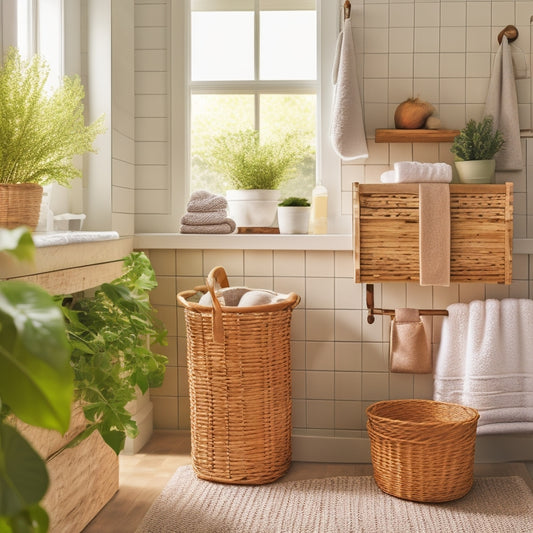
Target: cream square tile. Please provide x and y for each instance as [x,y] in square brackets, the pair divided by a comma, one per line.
[348,294]
[170,351]
[344,265]
[298,384]
[183,383]
[427,89]
[452,91]
[163,262]
[426,65]
[375,90]
[348,415]
[291,284]
[167,314]
[401,15]
[259,282]
[426,152]
[378,153]
[376,41]
[165,292]
[478,64]
[478,39]
[452,65]
[258,263]
[419,297]
[347,385]
[445,156]
[189,263]
[478,13]
[476,90]
[401,65]
[401,386]
[180,321]
[400,152]
[351,174]
[519,289]
[165,412]
[375,357]
[374,332]
[375,386]
[299,418]
[401,39]
[347,325]
[319,293]
[320,385]
[393,295]
[348,356]
[453,13]
[452,39]
[188,283]
[376,15]
[445,296]
[497,291]
[520,267]
[320,325]
[423,386]
[231,260]
[320,414]
[289,263]
[320,356]
[454,116]
[319,263]
[181,351]
[298,325]
[373,173]
[298,355]
[427,14]
[346,203]
[426,40]
[376,65]
[169,386]
[376,115]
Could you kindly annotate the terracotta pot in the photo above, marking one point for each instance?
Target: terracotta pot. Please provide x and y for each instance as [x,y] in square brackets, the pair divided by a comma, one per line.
[20,205]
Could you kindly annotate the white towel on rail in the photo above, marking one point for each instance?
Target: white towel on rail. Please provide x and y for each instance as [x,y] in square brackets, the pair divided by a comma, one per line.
[347,126]
[485,361]
[502,104]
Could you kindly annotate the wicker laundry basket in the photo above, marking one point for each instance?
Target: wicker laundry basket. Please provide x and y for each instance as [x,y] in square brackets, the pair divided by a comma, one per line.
[239,367]
[422,450]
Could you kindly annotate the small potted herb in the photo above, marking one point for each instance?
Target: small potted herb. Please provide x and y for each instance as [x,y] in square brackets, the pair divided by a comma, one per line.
[475,148]
[293,215]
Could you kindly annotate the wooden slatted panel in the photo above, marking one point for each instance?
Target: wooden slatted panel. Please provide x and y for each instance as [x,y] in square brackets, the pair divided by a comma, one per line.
[386,233]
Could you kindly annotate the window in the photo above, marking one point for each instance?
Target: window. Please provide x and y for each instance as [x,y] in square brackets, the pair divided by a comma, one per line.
[253,65]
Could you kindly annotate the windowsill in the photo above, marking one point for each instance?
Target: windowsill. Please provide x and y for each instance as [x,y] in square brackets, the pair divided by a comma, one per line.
[178,241]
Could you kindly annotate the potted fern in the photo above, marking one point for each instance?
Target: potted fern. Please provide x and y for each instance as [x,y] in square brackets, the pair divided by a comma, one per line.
[40,132]
[475,148]
[293,215]
[254,170]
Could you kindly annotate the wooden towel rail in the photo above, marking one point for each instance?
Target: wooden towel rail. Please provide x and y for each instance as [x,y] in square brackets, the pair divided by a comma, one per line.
[390,312]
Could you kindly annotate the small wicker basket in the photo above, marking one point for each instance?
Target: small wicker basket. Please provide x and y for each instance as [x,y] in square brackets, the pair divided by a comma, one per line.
[20,205]
[239,372]
[422,450]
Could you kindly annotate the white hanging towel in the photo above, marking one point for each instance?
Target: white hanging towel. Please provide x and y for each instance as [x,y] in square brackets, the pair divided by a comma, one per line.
[484,361]
[347,128]
[502,104]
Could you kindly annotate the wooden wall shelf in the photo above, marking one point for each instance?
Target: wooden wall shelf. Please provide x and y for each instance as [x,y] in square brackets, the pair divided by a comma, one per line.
[415,136]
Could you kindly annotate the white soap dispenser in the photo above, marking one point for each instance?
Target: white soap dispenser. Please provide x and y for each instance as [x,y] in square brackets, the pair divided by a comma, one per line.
[318,224]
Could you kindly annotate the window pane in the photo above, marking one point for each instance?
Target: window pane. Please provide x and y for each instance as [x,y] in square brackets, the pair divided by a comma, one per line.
[288,113]
[222,45]
[50,34]
[213,115]
[288,45]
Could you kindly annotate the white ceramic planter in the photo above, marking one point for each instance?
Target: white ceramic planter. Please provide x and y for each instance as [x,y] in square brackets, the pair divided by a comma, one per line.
[293,219]
[253,208]
[481,171]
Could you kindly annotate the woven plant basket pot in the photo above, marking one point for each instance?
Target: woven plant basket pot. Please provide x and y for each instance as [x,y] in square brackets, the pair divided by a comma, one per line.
[239,372]
[20,205]
[422,450]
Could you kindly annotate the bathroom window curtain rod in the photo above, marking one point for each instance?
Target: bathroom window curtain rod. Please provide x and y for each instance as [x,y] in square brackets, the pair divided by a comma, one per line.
[390,312]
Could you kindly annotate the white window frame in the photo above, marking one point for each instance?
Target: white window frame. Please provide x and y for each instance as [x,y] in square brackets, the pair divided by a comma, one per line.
[327,163]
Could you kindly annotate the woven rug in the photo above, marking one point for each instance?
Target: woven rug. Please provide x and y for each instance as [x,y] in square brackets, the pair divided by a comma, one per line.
[333,505]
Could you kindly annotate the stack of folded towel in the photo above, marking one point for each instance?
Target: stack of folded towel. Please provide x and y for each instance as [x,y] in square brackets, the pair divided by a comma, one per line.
[416,172]
[206,213]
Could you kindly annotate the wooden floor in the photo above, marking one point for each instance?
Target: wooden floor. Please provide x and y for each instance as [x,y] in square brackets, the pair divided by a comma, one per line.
[144,475]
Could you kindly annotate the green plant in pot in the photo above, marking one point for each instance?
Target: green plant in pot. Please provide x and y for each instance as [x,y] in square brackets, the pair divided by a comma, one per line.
[475,148]
[40,133]
[254,170]
[293,215]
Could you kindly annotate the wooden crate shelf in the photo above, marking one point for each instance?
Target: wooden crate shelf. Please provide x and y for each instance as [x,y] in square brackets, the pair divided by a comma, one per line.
[386,237]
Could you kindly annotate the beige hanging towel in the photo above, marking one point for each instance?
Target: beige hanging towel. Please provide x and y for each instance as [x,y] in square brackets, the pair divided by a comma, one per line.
[410,342]
[434,233]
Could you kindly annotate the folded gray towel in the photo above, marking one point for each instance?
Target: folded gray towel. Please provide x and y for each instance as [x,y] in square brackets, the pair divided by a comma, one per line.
[202,201]
[226,227]
[204,218]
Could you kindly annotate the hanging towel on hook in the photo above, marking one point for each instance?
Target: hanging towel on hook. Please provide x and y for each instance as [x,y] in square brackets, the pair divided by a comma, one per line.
[347,128]
[502,104]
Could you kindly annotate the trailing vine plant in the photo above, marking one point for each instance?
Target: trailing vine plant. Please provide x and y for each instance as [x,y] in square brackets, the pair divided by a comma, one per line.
[111,335]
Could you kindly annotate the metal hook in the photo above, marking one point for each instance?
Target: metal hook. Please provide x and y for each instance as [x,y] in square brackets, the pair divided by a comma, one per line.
[347,9]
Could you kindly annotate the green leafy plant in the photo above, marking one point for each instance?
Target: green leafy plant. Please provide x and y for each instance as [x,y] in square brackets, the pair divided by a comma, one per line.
[477,141]
[294,201]
[248,163]
[36,385]
[40,131]
[111,334]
